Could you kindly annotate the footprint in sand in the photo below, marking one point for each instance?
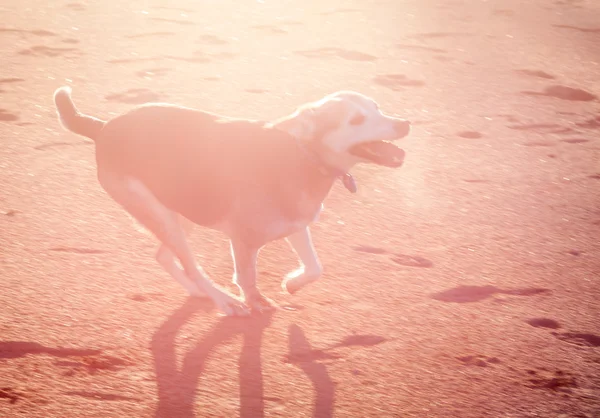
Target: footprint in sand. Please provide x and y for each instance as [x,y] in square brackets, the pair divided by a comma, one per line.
[593,123]
[439,35]
[79,7]
[102,396]
[223,55]
[575,140]
[339,11]
[536,73]
[62,144]
[175,21]
[42,32]
[199,58]
[92,364]
[133,60]
[11,80]
[177,9]
[478,360]
[49,51]
[152,72]
[421,48]
[558,380]
[535,127]
[151,35]
[144,297]
[470,134]
[576,338]
[257,91]
[580,339]
[543,323]
[402,259]
[550,128]
[541,143]
[212,40]
[585,30]
[6,116]
[396,81]
[509,118]
[134,96]
[36,32]
[369,249]
[570,3]
[469,294]
[11,394]
[76,250]
[476,181]
[276,30]
[336,52]
[564,93]
[290,22]
[411,261]
[503,12]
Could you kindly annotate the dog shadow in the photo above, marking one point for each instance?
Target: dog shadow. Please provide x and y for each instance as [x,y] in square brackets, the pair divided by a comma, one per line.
[302,355]
[177,387]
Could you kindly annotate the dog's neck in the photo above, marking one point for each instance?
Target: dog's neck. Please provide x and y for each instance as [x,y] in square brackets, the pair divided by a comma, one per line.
[325,169]
[305,135]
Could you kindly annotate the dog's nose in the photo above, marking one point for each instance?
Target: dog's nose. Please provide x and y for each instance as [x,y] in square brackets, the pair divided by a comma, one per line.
[402,127]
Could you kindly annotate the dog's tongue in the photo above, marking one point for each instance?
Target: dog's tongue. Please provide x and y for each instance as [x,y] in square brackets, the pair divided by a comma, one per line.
[380,152]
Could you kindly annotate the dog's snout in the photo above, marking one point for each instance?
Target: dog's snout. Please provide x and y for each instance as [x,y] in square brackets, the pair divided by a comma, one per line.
[402,127]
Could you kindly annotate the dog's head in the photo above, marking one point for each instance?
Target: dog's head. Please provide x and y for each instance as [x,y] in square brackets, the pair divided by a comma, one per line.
[347,128]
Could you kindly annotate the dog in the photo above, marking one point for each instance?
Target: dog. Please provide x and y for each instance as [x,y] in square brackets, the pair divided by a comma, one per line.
[172,167]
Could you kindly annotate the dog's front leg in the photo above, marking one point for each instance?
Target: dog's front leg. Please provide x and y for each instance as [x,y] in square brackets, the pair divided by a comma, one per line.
[245,276]
[310,269]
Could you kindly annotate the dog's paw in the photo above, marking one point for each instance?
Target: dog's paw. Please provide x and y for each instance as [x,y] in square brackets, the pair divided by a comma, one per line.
[228,304]
[259,303]
[297,279]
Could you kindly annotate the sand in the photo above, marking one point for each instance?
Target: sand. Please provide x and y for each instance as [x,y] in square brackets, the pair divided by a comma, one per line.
[464,284]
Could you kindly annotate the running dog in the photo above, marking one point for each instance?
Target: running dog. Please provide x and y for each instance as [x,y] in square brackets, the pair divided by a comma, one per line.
[171,167]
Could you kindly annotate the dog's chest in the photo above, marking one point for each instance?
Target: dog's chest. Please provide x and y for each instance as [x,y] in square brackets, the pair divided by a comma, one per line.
[280,227]
[260,222]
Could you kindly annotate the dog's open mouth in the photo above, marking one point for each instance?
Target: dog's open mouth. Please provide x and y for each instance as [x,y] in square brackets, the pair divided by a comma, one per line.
[380,152]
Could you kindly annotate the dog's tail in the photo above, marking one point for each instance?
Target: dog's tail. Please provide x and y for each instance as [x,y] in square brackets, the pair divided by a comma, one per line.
[71,119]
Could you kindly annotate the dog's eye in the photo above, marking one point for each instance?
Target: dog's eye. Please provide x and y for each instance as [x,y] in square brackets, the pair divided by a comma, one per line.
[358,119]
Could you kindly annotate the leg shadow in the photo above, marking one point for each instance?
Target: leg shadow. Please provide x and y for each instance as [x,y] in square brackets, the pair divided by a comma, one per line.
[177,388]
[301,354]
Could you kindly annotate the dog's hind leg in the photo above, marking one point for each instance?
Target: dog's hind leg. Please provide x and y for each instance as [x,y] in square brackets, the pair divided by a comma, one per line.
[245,275]
[139,201]
[166,259]
[310,269]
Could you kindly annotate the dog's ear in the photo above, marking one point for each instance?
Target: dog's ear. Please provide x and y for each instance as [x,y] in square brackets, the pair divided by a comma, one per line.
[323,117]
[313,121]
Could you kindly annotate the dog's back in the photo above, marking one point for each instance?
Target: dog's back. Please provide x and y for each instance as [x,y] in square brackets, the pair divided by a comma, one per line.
[200,164]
